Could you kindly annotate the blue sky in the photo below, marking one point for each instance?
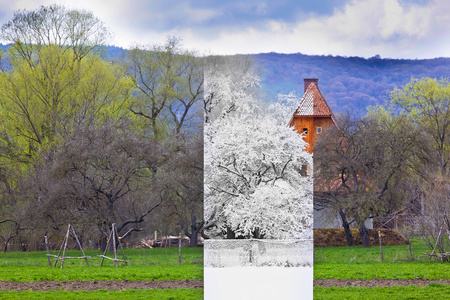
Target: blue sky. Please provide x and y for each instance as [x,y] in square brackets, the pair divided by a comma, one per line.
[390,28]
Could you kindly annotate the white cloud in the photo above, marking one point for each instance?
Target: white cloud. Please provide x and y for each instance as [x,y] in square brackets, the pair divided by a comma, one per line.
[363,28]
[276,26]
[370,23]
[261,8]
[200,15]
[9,7]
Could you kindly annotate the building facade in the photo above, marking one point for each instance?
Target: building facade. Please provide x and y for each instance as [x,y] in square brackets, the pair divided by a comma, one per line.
[312,116]
[313,113]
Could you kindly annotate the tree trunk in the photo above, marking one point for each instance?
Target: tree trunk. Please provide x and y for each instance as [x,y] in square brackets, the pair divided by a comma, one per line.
[230,233]
[8,189]
[346,225]
[103,242]
[364,235]
[7,242]
[193,240]
[257,235]
[195,229]
[194,235]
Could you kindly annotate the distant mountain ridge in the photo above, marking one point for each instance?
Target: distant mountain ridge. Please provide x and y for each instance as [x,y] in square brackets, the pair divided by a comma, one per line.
[347,83]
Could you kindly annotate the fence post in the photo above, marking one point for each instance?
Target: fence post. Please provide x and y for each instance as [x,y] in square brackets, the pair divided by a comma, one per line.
[381,249]
[179,249]
[48,253]
[395,223]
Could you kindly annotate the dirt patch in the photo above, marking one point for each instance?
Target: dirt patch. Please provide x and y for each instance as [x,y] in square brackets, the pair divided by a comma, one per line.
[193,284]
[97,285]
[334,237]
[377,282]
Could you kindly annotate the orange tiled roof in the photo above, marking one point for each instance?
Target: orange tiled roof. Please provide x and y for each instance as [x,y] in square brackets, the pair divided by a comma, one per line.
[313,104]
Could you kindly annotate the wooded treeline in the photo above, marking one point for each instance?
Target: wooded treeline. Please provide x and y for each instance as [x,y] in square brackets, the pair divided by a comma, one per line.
[393,160]
[91,141]
[347,83]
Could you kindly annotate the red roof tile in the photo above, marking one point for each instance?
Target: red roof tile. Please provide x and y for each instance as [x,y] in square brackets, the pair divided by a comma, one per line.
[313,104]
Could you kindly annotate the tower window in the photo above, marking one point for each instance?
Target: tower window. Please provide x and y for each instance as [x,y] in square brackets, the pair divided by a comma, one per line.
[305,130]
[319,129]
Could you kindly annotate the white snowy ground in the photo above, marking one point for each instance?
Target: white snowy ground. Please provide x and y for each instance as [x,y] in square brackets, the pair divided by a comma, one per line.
[258,283]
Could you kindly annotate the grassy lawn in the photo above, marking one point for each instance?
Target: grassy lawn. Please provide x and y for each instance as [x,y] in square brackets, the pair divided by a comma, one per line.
[383,293]
[365,263]
[156,256]
[359,254]
[148,264]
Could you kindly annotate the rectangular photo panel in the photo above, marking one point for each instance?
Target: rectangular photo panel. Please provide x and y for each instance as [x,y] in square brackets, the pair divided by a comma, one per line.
[258,186]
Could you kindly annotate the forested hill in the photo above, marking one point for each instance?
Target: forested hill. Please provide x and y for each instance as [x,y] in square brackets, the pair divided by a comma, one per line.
[351,83]
[347,83]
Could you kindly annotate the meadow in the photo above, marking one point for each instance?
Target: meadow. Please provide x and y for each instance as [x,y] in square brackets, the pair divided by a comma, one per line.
[159,264]
[399,262]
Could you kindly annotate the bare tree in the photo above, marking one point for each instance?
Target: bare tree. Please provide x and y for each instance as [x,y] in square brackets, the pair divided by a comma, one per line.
[97,175]
[75,148]
[362,165]
[78,31]
[188,190]
[427,101]
[169,83]
[253,187]
[432,224]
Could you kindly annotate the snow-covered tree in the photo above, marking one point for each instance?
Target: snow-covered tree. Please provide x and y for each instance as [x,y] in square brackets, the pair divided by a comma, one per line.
[253,186]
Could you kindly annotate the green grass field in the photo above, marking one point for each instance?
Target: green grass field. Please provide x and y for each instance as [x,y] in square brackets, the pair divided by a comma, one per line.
[382,293]
[148,264]
[162,264]
[365,263]
[166,294]
[156,256]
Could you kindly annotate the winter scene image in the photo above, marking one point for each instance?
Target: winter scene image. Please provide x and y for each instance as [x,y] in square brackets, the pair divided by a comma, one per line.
[258,189]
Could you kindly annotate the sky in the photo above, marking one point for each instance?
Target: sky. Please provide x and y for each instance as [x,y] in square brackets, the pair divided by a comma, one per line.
[413,29]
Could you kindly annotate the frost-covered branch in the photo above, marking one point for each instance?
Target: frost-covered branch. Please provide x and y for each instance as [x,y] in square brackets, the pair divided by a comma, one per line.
[252,162]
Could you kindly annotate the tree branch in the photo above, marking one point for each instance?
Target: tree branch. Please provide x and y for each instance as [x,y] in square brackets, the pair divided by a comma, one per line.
[138,220]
